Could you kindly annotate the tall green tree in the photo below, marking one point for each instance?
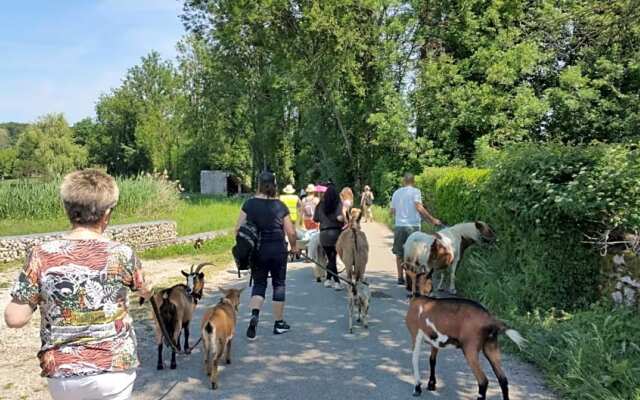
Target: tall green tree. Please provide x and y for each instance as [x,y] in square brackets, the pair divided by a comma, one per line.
[47,148]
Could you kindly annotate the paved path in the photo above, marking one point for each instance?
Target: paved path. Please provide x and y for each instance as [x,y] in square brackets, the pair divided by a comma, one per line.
[317,359]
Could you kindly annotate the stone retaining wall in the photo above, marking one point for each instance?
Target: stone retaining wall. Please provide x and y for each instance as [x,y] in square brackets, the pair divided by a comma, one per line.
[138,236]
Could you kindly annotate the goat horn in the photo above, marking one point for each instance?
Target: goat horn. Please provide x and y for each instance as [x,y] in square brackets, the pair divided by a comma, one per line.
[200,266]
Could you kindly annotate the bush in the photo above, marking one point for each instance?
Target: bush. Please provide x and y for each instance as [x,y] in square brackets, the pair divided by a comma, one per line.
[453,194]
[542,200]
[40,200]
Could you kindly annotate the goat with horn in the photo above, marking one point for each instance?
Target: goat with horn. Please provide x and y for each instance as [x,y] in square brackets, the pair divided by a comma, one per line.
[177,305]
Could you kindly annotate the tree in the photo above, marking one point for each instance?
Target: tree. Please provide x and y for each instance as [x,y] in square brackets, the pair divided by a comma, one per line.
[47,148]
[138,122]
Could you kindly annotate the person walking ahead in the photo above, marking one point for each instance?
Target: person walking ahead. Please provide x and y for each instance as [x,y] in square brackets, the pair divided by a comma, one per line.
[407,208]
[81,283]
[273,221]
[292,201]
[329,215]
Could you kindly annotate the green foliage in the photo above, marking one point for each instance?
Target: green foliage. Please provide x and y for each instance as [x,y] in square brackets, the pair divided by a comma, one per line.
[8,157]
[521,71]
[47,148]
[453,194]
[588,354]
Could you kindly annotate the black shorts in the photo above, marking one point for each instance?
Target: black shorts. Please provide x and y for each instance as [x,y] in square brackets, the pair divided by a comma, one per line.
[400,236]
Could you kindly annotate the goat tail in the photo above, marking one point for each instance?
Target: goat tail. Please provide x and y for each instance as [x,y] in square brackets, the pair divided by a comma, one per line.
[512,334]
[516,338]
[210,332]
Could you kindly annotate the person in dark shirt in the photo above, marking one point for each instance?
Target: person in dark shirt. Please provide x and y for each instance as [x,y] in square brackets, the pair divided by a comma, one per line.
[329,215]
[272,218]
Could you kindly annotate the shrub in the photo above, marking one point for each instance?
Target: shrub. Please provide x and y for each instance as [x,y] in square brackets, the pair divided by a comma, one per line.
[453,194]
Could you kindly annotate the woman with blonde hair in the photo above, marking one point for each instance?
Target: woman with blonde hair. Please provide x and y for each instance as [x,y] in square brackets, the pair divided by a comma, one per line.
[346,197]
[81,284]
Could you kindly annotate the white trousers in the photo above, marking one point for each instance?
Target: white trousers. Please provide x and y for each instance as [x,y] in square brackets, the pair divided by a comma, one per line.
[107,386]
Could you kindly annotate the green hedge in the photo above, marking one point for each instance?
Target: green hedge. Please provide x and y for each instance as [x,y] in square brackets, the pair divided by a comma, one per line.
[542,200]
[453,194]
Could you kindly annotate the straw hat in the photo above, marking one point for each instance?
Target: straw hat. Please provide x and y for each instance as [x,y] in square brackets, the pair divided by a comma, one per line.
[310,188]
[288,189]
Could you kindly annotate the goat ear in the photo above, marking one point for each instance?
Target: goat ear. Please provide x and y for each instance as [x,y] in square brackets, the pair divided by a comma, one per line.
[184,273]
[479,226]
[201,275]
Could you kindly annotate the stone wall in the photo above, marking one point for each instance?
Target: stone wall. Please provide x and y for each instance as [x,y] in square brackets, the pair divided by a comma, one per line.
[138,236]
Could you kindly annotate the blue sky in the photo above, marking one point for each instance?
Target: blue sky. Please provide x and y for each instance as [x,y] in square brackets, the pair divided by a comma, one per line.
[60,55]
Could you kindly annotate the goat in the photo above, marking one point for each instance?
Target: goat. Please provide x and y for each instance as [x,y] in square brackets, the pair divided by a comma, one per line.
[177,305]
[460,323]
[316,253]
[422,252]
[359,297]
[218,327]
[461,237]
[353,248]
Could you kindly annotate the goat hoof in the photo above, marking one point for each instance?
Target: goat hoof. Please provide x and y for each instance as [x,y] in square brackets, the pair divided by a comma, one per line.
[173,366]
[431,386]
[187,351]
[214,386]
[417,391]
[228,362]
[358,320]
[159,367]
[318,280]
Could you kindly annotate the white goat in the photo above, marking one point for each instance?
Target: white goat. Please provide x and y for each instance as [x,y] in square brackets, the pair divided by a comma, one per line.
[461,236]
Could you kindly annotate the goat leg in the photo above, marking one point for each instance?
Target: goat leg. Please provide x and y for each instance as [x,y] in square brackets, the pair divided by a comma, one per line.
[471,354]
[350,314]
[452,278]
[185,326]
[228,360]
[417,342]
[492,352]
[432,369]
[160,363]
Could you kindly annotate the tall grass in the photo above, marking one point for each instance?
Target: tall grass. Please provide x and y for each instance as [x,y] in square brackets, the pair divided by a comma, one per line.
[37,200]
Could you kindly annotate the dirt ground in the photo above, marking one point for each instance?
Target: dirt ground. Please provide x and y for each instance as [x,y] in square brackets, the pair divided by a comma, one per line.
[19,367]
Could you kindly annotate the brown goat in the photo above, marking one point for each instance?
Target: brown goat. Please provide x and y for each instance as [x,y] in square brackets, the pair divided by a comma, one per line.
[353,248]
[176,305]
[456,322]
[218,327]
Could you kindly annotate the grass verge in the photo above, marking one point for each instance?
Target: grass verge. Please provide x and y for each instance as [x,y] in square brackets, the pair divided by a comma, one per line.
[218,247]
[193,214]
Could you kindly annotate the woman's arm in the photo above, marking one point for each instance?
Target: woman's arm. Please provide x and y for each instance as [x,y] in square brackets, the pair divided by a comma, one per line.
[242,218]
[17,315]
[290,231]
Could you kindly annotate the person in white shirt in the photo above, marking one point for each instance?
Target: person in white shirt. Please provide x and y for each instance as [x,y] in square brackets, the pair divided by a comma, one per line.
[407,211]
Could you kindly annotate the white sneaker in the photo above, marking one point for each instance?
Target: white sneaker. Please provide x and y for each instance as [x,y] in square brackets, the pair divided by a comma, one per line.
[337,285]
[327,283]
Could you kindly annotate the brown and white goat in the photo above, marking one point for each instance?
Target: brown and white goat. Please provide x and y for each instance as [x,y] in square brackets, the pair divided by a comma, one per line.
[424,252]
[353,248]
[176,306]
[218,328]
[461,236]
[456,322]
